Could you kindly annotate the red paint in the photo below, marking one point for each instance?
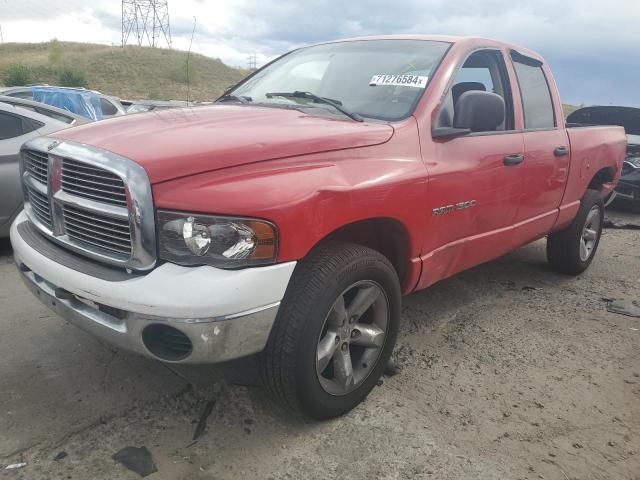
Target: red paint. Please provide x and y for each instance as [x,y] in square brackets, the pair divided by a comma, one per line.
[323,174]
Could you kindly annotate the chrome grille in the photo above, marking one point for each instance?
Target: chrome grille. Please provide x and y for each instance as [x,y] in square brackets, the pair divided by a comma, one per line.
[37,164]
[93,183]
[40,205]
[91,201]
[101,231]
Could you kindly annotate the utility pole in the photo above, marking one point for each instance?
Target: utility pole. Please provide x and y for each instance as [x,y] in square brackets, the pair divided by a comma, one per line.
[147,21]
[1,36]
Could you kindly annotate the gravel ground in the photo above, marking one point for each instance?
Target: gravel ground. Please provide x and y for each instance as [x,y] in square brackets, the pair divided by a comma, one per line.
[506,371]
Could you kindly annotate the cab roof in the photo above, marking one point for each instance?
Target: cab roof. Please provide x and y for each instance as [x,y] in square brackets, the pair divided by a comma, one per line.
[469,42]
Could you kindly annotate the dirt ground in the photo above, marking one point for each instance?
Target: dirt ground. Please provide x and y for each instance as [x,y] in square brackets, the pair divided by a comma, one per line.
[508,371]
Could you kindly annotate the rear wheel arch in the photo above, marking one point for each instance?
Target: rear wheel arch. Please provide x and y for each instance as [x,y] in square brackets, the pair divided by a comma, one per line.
[602,176]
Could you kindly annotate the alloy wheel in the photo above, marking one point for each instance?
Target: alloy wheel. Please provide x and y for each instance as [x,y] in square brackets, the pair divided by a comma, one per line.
[590,231]
[352,337]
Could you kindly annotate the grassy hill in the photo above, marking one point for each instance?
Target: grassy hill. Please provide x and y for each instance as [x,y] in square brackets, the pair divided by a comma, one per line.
[569,109]
[129,72]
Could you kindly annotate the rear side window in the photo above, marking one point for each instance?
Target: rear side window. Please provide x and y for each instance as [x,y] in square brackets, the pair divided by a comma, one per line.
[12,126]
[534,90]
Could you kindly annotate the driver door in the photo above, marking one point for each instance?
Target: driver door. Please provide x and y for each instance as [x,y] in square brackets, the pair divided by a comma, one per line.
[474,191]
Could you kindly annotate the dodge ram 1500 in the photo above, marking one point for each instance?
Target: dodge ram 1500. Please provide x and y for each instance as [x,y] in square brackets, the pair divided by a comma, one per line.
[288,219]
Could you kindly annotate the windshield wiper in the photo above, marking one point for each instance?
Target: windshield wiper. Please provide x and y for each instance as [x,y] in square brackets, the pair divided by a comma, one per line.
[234,98]
[337,104]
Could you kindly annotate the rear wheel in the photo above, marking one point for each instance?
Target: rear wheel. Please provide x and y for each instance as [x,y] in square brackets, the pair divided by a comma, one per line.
[571,250]
[335,330]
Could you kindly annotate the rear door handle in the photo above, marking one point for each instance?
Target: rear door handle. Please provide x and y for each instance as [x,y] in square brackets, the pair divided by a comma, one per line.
[561,151]
[514,159]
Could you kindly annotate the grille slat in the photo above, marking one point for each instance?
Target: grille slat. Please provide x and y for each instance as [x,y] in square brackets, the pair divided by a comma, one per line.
[88,217]
[92,174]
[92,241]
[97,230]
[41,211]
[37,164]
[104,197]
[93,183]
[102,241]
[116,230]
[122,239]
[39,206]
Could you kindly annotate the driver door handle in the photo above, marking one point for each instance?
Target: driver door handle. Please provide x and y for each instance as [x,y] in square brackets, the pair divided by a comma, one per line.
[513,159]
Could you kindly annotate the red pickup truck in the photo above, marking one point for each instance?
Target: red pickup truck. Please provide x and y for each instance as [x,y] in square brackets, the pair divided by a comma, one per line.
[289,218]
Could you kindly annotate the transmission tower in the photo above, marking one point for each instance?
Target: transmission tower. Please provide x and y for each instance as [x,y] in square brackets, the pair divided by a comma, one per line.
[252,62]
[147,21]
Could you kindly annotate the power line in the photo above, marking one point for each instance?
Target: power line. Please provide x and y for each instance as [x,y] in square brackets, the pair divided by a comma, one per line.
[147,21]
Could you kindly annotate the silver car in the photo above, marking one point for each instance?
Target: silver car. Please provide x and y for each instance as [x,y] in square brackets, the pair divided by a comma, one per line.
[111,106]
[22,120]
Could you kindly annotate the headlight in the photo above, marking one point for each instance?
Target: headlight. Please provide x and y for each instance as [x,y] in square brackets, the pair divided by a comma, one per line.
[223,242]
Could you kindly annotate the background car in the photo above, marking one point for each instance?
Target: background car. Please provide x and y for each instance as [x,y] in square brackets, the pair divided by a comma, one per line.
[22,120]
[628,189]
[140,106]
[111,106]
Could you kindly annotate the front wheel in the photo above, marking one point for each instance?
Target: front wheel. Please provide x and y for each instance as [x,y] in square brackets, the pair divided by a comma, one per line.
[571,250]
[335,330]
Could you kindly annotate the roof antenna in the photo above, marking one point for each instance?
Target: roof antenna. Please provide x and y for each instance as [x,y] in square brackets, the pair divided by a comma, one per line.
[188,56]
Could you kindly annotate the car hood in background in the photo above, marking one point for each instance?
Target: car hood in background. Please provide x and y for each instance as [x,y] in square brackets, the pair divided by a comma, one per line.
[180,142]
[627,117]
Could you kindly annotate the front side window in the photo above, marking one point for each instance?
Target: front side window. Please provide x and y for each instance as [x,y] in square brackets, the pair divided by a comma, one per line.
[485,71]
[380,79]
[534,90]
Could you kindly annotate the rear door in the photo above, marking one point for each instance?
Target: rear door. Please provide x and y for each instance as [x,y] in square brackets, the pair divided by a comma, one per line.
[547,154]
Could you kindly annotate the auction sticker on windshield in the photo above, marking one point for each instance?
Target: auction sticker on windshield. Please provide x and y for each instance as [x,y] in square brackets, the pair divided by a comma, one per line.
[418,81]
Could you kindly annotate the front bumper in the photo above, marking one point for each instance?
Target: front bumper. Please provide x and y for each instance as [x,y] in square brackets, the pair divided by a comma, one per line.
[225,314]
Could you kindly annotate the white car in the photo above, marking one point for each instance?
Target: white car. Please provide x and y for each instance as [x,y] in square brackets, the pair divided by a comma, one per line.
[22,120]
[111,106]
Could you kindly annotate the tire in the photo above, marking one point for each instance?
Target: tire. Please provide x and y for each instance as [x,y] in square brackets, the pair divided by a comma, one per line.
[295,366]
[571,250]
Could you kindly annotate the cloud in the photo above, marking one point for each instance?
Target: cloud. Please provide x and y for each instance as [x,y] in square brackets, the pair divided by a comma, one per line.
[590,44]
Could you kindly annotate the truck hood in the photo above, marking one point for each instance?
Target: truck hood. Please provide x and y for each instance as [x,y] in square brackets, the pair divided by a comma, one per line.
[180,142]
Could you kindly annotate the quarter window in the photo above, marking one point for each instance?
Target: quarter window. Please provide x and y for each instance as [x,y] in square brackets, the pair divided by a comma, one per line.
[108,108]
[534,90]
[12,126]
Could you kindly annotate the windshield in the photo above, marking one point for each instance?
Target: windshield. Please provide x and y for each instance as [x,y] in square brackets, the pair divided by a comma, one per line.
[381,79]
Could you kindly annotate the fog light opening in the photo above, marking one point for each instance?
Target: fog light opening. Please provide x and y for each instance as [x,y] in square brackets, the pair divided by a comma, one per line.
[166,343]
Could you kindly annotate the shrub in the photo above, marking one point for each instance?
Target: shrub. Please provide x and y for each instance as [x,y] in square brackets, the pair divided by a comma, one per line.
[18,74]
[55,51]
[69,77]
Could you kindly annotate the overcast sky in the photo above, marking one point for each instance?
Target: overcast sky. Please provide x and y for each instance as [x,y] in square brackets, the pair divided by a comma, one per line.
[593,46]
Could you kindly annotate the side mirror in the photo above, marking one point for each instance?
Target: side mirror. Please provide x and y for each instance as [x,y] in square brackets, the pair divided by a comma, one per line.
[479,111]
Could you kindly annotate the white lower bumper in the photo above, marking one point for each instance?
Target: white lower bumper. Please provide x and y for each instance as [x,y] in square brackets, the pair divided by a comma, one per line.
[225,313]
